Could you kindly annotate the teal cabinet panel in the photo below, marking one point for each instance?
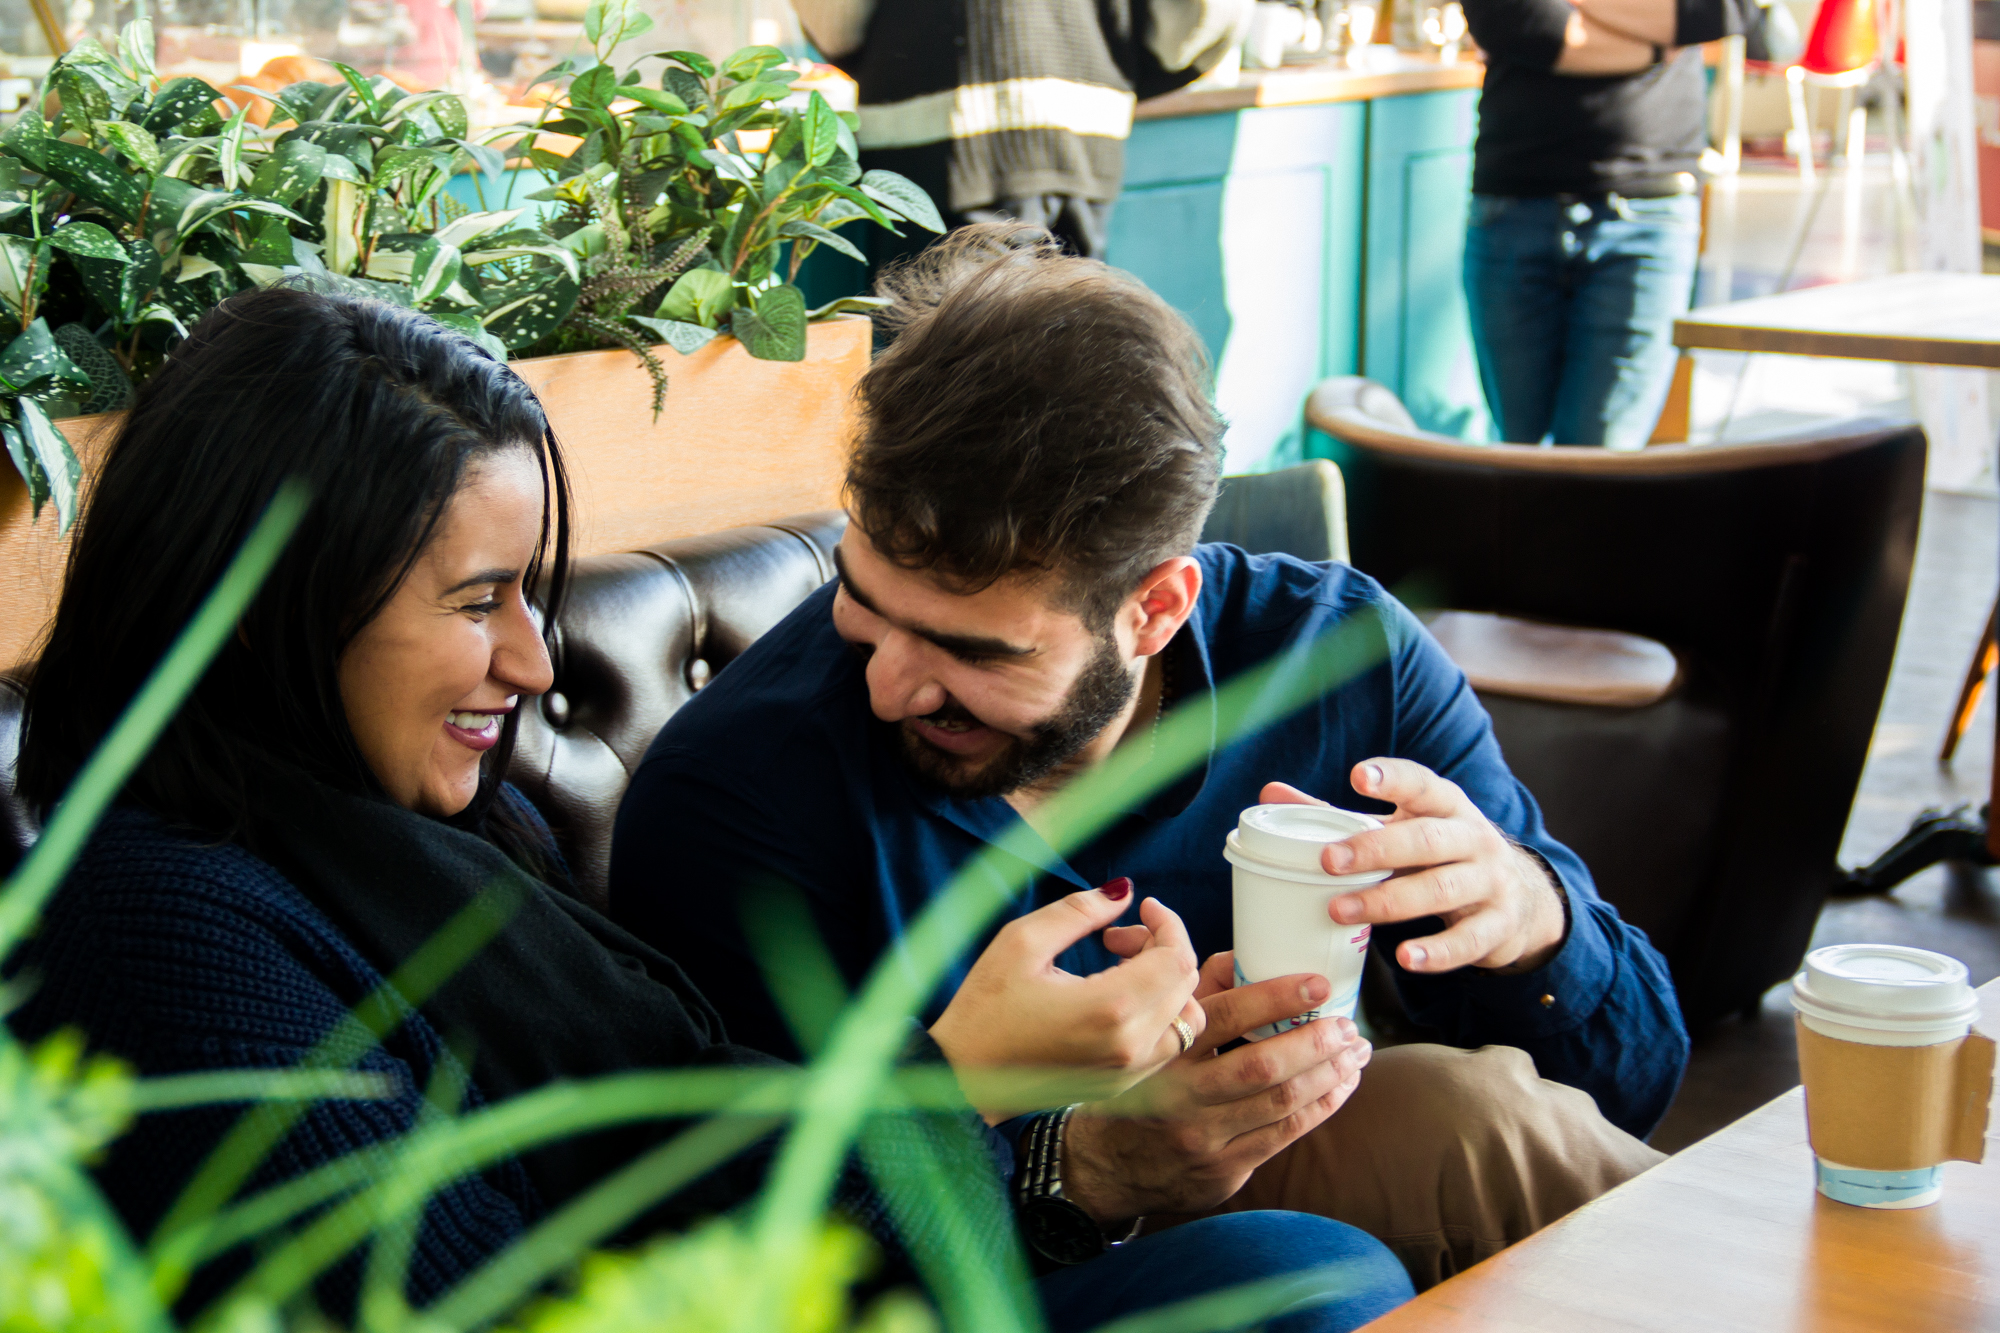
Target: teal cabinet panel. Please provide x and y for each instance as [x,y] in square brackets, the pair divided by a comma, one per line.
[1182,149]
[1249,224]
[1416,335]
[1170,237]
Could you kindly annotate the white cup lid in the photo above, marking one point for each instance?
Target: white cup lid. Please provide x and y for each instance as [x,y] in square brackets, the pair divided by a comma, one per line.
[1294,835]
[1884,987]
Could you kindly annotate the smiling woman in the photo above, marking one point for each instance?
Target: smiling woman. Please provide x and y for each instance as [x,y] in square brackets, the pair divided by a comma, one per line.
[466,640]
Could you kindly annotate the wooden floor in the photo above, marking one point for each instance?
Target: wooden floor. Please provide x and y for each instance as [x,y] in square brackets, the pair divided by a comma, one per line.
[1738,1066]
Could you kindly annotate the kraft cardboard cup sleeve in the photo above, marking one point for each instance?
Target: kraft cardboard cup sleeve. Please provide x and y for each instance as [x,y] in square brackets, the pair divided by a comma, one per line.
[1897,1083]
[1282,925]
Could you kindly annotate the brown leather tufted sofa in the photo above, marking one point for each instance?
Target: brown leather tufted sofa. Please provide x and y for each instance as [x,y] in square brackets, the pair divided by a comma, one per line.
[642,632]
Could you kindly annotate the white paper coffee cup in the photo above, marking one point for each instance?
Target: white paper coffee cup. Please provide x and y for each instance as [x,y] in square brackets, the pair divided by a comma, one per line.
[1282,925]
[1875,995]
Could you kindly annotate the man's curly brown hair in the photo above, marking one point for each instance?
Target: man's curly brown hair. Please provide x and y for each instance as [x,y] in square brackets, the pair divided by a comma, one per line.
[1035,414]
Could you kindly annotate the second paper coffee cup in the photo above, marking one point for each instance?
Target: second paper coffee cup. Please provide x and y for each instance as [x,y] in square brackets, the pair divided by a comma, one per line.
[1282,925]
[1896,1082]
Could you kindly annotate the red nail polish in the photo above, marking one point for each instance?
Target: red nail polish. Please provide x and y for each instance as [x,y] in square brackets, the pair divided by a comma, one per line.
[1117,889]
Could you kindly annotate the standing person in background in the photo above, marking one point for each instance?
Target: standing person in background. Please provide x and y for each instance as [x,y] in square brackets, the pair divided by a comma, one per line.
[1586,223]
[1015,109]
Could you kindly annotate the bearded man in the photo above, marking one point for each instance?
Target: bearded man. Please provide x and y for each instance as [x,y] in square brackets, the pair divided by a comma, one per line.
[1021,593]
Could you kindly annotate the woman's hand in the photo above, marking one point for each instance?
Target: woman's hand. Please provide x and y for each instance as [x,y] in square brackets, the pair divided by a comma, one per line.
[1098,1034]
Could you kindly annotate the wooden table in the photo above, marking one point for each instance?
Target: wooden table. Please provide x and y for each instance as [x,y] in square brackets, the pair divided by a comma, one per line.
[1729,1234]
[1942,319]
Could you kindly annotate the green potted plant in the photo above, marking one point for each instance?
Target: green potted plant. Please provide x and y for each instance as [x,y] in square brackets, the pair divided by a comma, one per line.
[138,206]
[686,230]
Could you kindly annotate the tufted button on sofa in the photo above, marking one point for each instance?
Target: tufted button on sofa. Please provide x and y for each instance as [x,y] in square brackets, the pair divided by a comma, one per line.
[642,632]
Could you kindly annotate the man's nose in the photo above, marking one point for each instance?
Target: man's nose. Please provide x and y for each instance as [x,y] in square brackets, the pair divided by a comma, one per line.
[899,685]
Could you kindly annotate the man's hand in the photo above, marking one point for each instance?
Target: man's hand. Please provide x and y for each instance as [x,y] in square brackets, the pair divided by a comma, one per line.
[1187,1138]
[1501,908]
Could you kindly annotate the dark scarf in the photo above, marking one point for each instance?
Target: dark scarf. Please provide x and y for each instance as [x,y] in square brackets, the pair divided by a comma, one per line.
[560,992]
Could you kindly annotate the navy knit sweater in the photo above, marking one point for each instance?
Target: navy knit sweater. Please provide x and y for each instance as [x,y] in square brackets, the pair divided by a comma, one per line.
[179,957]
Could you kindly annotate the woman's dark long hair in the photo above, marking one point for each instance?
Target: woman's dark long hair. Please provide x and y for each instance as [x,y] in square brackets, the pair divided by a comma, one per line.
[380,411]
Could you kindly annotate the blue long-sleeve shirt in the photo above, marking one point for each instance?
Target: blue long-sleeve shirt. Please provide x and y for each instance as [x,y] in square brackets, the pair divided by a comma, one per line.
[779,772]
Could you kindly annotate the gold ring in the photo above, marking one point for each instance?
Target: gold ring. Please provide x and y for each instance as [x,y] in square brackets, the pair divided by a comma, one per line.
[1185,1030]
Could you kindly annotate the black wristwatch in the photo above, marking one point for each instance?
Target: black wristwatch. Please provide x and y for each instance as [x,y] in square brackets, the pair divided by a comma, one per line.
[1055,1227]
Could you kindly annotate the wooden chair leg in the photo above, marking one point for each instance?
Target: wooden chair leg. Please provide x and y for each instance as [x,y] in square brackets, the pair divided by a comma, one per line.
[1984,659]
[1675,413]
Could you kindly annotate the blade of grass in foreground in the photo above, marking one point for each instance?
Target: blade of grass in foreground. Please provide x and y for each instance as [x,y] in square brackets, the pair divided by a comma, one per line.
[473,1141]
[843,1082]
[928,1166]
[103,777]
[588,1219]
[173,1091]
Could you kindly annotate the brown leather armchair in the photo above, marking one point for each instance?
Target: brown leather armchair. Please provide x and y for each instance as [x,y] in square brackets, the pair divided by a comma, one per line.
[1775,572]
[642,632]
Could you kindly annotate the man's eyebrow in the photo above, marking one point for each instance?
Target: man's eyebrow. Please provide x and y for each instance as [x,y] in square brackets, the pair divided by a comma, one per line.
[484,576]
[962,645]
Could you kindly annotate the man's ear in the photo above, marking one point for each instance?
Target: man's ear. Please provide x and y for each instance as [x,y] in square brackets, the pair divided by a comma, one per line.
[1163,602]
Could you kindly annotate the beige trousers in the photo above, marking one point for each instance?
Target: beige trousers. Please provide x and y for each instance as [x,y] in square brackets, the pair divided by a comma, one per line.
[1448,1157]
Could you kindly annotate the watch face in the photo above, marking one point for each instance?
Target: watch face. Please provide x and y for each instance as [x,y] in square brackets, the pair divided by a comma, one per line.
[1061,1231]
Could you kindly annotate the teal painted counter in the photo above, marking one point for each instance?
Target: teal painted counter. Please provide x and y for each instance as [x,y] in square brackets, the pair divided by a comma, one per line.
[1306,241]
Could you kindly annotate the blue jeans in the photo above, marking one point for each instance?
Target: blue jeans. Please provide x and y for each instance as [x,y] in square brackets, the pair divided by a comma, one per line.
[1214,1253]
[1573,306]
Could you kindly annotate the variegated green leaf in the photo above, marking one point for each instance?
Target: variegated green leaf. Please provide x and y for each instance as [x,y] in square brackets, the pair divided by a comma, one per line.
[342,220]
[58,462]
[261,274]
[229,160]
[471,328]
[17,255]
[208,204]
[290,172]
[394,163]
[25,462]
[134,141]
[33,364]
[135,47]
[84,101]
[87,238]
[450,114]
[94,177]
[340,167]
[28,138]
[157,313]
[182,102]
[364,89]
[523,313]
[194,266]
[434,268]
[474,225]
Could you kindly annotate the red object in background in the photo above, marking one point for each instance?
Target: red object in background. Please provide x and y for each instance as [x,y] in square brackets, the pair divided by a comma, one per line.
[1986,121]
[431,57]
[1843,38]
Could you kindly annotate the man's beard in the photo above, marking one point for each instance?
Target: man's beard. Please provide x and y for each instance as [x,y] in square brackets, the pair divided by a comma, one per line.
[1092,704]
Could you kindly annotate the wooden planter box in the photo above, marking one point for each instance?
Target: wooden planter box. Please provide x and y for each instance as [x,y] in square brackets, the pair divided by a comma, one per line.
[740,441]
